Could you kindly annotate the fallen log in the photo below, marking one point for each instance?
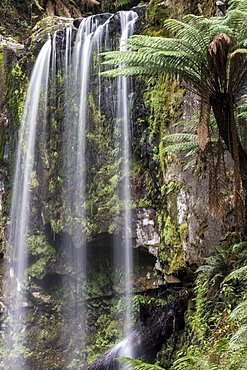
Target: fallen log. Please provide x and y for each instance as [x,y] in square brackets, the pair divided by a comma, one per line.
[156,324]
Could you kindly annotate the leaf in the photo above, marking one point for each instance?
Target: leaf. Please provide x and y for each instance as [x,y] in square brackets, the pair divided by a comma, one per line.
[239,339]
[133,364]
[36,2]
[203,125]
[240,274]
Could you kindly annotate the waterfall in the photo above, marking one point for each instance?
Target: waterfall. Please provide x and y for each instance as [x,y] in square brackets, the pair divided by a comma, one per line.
[74,68]
[127,21]
[79,72]
[33,121]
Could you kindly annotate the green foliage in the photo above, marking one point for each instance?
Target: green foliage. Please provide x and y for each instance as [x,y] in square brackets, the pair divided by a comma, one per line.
[43,255]
[183,56]
[239,339]
[210,54]
[36,2]
[238,274]
[120,3]
[218,319]
[216,266]
[132,364]
[171,254]
[186,141]
[17,82]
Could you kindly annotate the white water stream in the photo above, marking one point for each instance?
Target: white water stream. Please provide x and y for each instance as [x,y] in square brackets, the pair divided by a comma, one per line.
[127,20]
[34,116]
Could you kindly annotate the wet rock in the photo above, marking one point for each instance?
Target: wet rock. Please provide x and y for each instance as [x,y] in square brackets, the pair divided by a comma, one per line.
[146,228]
[101,18]
[50,24]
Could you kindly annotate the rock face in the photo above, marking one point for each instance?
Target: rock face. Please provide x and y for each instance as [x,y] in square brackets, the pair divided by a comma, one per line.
[147,229]
[187,203]
[10,51]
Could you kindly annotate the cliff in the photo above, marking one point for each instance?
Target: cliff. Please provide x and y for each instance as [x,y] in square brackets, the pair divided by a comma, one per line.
[172,228]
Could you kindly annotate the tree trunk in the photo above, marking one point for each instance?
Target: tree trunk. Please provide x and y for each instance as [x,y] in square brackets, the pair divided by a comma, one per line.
[223,108]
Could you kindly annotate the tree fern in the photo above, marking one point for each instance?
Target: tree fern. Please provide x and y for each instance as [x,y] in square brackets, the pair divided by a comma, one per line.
[187,141]
[211,55]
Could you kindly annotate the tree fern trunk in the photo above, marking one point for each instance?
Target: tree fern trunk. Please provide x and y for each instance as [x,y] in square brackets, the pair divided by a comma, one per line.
[223,108]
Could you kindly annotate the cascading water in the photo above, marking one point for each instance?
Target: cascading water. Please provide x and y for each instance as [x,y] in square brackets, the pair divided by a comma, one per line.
[127,21]
[33,122]
[80,68]
[84,93]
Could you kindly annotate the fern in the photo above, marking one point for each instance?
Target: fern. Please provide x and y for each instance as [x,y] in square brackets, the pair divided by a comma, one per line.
[216,266]
[239,339]
[186,141]
[133,364]
[190,362]
[180,136]
[240,274]
[240,312]
[120,3]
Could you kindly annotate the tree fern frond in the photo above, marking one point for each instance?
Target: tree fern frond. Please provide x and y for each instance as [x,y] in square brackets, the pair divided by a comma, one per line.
[184,48]
[215,265]
[235,20]
[242,43]
[180,136]
[161,58]
[188,33]
[238,51]
[192,362]
[180,147]
[131,71]
[190,164]
[236,4]
[192,152]
[193,19]
[150,70]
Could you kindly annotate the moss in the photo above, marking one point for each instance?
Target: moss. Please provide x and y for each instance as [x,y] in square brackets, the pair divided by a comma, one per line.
[17,81]
[183,231]
[207,8]
[44,345]
[42,255]
[2,73]
[203,226]
[171,253]
[158,11]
